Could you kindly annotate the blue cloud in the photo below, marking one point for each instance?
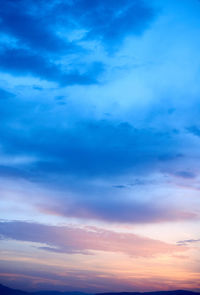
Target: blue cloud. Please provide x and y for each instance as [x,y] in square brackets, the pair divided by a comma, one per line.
[41,44]
[91,148]
[70,43]
[4,94]
[186,174]
[23,62]
[195,130]
[19,20]
[110,21]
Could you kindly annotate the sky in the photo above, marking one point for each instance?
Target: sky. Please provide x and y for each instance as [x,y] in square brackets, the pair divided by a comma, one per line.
[100,145]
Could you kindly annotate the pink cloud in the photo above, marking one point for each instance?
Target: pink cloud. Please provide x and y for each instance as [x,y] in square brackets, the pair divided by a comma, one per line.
[66,239]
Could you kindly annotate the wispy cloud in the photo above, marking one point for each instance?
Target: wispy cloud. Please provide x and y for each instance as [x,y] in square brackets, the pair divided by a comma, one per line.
[115,210]
[188,242]
[65,239]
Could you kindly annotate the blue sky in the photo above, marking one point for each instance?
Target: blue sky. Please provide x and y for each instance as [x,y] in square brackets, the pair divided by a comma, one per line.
[99,137]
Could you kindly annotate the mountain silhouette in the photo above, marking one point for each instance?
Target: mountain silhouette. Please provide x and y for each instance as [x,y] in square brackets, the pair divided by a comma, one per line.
[9,291]
[59,293]
[174,292]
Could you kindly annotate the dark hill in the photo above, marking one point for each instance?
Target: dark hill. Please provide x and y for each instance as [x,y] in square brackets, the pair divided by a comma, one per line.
[9,291]
[174,292]
[58,293]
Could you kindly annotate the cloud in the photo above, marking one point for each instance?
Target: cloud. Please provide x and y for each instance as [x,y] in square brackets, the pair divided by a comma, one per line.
[65,239]
[36,24]
[187,242]
[110,21]
[92,281]
[115,209]
[185,174]
[23,62]
[4,94]
[69,160]
[93,148]
[195,130]
[23,21]
[38,36]
[120,186]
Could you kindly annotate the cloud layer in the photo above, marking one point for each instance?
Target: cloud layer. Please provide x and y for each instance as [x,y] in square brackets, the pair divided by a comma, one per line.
[65,239]
[99,111]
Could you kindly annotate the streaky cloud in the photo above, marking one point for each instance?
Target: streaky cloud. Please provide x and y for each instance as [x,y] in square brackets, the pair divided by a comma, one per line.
[187,242]
[67,239]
